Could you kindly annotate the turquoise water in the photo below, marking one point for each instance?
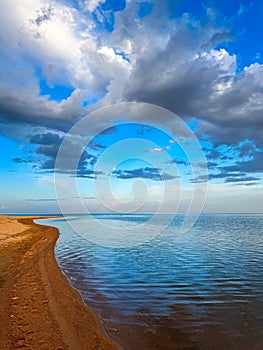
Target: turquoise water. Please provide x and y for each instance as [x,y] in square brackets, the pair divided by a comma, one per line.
[201,289]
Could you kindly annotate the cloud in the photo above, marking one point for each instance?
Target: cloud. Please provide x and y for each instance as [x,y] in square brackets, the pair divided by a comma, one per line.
[91,5]
[43,200]
[159,149]
[247,149]
[179,161]
[240,170]
[182,70]
[50,152]
[205,164]
[177,63]
[249,184]
[95,145]
[227,176]
[241,179]
[192,77]
[48,145]
[46,139]
[143,173]
[56,45]
[253,165]
[18,106]
[43,15]
[19,160]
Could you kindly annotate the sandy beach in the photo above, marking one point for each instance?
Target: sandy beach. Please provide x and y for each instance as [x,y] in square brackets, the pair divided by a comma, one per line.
[39,309]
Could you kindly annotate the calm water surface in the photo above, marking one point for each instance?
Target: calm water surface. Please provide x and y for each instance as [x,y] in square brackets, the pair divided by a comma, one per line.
[199,290]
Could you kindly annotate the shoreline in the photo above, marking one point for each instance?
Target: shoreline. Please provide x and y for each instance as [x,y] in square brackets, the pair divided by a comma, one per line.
[39,307]
[136,331]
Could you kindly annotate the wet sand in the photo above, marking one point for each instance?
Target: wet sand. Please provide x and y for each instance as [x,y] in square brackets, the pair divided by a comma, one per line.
[38,307]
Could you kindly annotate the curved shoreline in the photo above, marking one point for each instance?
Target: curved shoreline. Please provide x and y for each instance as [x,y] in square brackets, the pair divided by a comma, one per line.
[39,308]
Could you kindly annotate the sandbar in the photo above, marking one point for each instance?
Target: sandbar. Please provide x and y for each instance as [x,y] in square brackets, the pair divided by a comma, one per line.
[38,307]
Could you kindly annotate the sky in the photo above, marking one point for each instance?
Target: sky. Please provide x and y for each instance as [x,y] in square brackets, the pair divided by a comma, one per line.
[131,106]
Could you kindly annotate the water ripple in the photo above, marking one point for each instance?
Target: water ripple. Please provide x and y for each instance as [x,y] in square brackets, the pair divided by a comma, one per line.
[210,276]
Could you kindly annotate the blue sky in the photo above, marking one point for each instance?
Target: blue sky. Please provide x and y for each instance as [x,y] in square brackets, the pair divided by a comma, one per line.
[64,59]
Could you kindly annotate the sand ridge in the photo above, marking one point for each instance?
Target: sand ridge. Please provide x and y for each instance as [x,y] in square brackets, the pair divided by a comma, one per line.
[38,307]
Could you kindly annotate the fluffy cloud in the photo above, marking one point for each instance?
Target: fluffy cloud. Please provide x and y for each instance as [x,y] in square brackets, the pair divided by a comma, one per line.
[175,63]
[56,44]
[91,5]
[159,149]
[170,63]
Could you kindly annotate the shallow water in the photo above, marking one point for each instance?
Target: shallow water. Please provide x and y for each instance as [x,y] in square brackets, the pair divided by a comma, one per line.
[202,289]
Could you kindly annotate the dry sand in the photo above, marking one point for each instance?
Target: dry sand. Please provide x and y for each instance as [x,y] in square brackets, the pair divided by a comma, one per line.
[38,307]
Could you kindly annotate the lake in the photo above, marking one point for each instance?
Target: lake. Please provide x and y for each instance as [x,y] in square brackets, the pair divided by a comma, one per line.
[201,289]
